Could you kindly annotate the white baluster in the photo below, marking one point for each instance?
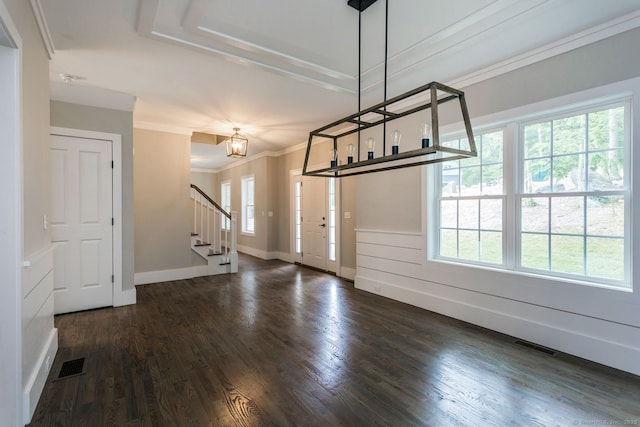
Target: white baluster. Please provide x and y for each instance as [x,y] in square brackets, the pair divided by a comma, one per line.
[194,210]
[208,229]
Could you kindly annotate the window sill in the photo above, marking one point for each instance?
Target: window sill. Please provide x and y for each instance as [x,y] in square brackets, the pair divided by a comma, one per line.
[248,234]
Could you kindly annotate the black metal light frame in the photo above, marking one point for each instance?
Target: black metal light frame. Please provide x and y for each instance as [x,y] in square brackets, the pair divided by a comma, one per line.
[382,114]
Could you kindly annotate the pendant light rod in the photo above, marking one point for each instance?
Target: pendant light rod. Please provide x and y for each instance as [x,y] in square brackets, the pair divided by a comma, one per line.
[386,51]
[359,74]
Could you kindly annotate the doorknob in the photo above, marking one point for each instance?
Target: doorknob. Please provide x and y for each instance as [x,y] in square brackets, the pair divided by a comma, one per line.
[323,225]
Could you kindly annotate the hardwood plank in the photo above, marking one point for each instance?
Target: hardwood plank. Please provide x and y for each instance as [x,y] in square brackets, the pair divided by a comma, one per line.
[279,344]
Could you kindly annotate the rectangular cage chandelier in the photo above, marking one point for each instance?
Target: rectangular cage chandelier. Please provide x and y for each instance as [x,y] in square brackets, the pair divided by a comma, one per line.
[349,155]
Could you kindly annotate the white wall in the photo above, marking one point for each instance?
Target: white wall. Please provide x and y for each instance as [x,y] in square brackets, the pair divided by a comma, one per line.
[10,235]
[596,323]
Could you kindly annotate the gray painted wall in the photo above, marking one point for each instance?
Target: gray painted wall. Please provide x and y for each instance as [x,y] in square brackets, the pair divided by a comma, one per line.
[74,116]
[161,201]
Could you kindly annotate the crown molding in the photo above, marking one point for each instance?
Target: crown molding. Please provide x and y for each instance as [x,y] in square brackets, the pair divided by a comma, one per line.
[38,13]
[159,127]
[91,96]
[201,170]
[575,41]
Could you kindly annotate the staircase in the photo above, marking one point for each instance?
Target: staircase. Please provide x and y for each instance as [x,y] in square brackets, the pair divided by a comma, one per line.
[213,237]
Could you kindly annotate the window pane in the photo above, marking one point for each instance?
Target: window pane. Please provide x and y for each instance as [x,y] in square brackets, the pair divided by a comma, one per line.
[468,244]
[450,181]
[537,140]
[449,243]
[606,170]
[492,179]
[535,251]
[468,215]
[567,254]
[492,148]
[537,176]
[605,257]
[569,135]
[250,190]
[535,214]
[491,214]
[567,215]
[569,173]
[605,216]
[449,213]
[470,178]
[606,129]
[491,247]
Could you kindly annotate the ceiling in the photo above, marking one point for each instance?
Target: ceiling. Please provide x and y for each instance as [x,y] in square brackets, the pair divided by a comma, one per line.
[278,69]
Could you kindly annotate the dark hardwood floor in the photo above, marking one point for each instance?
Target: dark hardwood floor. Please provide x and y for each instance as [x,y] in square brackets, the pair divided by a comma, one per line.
[279,344]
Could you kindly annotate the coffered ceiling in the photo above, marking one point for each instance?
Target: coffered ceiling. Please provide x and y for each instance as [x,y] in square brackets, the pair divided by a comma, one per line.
[280,68]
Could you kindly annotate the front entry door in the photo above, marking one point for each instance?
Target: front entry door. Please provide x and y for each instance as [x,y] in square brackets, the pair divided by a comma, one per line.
[314,222]
[81,223]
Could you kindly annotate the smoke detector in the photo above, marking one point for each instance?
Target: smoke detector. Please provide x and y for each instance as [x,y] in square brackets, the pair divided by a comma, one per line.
[69,78]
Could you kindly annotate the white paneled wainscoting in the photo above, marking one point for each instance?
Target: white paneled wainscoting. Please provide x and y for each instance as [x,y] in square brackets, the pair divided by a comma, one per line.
[596,323]
[39,336]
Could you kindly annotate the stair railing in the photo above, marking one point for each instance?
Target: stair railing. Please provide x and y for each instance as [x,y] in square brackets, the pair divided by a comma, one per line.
[208,225]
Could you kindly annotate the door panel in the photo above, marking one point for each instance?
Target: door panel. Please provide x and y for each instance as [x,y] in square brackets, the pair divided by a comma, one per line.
[81,223]
[314,222]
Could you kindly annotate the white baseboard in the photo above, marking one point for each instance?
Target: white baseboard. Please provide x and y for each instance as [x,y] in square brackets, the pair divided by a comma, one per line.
[163,276]
[35,384]
[347,273]
[285,256]
[127,297]
[252,251]
[540,325]
[259,253]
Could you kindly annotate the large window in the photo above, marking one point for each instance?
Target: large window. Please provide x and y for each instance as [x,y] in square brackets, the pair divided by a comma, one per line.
[225,202]
[248,211]
[560,207]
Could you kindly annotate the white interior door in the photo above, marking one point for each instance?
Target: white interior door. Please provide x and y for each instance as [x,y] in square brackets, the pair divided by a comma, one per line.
[81,223]
[314,222]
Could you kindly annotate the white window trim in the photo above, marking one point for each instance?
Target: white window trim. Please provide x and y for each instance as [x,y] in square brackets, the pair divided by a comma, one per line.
[243,206]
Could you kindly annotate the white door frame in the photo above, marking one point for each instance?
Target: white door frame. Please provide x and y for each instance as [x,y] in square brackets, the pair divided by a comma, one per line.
[11,227]
[294,176]
[119,296]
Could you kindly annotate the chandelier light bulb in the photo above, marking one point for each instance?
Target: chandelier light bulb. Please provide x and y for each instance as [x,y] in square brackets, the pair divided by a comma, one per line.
[397,136]
[371,145]
[350,153]
[426,135]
